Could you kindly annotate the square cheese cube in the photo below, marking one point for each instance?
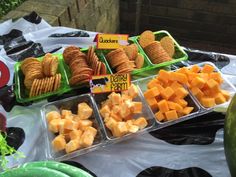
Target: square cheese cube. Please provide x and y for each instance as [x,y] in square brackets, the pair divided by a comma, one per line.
[133,91]
[187,110]
[198,82]
[160,116]
[207,68]
[167,93]
[163,106]
[152,102]
[59,143]
[105,111]
[53,115]
[84,110]
[72,145]
[181,92]
[141,122]
[75,134]
[151,93]
[207,102]
[137,107]
[171,115]
[219,99]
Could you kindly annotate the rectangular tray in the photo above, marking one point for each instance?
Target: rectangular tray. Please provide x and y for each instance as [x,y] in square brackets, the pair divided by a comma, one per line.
[146,112]
[192,100]
[180,54]
[22,94]
[71,104]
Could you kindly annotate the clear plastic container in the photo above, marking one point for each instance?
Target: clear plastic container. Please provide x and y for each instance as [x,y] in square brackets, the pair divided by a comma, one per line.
[71,104]
[146,112]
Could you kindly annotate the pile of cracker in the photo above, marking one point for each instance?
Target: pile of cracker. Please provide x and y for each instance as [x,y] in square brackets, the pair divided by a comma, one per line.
[157,51]
[82,65]
[41,77]
[125,60]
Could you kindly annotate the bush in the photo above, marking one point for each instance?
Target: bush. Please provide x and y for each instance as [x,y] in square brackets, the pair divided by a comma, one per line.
[8,5]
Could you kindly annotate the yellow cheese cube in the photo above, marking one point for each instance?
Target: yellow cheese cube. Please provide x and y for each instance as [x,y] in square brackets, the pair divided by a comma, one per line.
[72,145]
[86,139]
[115,98]
[54,125]
[198,82]
[120,129]
[124,110]
[152,102]
[131,128]
[219,99]
[167,93]
[70,124]
[115,116]
[53,115]
[116,109]
[105,111]
[59,143]
[151,93]
[207,102]
[110,123]
[92,130]
[141,122]
[75,134]
[181,92]
[163,106]
[187,110]
[137,107]
[160,116]
[207,68]
[65,113]
[171,115]
[84,110]
[133,91]
[82,124]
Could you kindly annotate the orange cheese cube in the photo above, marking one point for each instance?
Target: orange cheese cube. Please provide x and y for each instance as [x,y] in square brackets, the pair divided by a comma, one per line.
[187,110]
[117,117]
[216,76]
[207,102]
[198,82]
[152,102]
[175,85]
[191,76]
[84,110]
[195,69]
[181,92]
[181,102]
[105,111]
[160,116]
[83,124]
[152,83]
[151,93]
[59,143]
[211,83]
[197,92]
[54,125]
[141,122]
[120,129]
[65,113]
[72,145]
[183,70]
[180,77]
[225,94]
[160,87]
[53,115]
[167,93]
[175,106]
[219,99]
[116,109]
[207,68]
[163,75]
[204,76]
[137,107]
[163,106]
[133,91]
[75,134]
[171,115]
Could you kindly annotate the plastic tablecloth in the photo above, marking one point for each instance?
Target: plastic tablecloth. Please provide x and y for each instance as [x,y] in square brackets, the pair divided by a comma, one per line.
[193,148]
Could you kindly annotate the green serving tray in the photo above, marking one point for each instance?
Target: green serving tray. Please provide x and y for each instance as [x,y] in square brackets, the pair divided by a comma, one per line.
[22,94]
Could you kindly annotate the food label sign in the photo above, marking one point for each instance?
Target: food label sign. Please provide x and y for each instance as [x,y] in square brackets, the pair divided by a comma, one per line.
[109,83]
[111,41]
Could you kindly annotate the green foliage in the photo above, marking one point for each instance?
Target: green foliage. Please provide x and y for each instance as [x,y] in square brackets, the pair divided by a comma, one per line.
[8,5]
[5,150]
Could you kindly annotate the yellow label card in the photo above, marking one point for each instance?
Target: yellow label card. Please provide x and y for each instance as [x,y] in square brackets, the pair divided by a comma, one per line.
[111,41]
[109,83]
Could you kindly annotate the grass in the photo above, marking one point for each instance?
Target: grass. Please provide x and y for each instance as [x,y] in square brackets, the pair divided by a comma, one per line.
[8,5]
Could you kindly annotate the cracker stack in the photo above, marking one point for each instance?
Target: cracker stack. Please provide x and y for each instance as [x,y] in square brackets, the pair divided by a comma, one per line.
[41,77]
[156,53]
[82,66]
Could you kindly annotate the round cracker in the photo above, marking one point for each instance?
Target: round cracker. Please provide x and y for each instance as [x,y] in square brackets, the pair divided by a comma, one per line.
[139,61]
[146,38]
[168,44]
[77,78]
[103,69]
[32,88]
[131,51]
[67,51]
[53,66]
